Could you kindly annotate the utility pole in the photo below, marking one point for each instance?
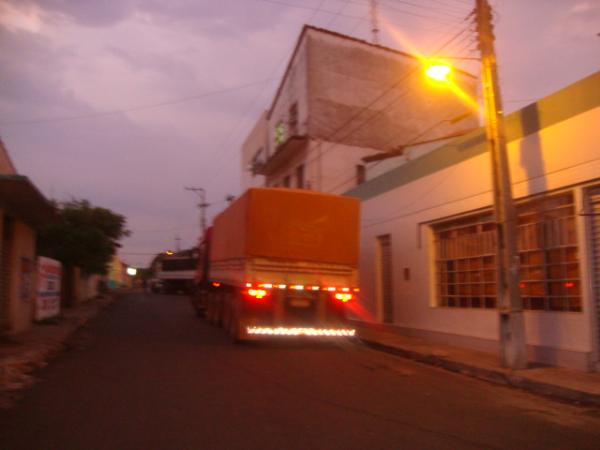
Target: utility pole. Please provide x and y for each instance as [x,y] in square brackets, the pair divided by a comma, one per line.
[513,352]
[201,206]
[374,22]
[177,242]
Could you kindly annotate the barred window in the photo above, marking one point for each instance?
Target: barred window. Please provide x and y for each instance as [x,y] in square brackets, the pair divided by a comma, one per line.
[549,262]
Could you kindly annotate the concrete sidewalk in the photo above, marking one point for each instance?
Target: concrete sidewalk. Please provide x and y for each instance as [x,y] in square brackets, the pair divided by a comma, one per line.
[22,354]
[556,382]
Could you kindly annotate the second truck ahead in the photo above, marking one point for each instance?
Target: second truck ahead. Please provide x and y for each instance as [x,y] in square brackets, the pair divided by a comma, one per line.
[281,262]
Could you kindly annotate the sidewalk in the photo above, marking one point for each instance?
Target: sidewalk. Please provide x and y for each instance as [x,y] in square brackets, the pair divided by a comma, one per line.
[21,355]
[557,382]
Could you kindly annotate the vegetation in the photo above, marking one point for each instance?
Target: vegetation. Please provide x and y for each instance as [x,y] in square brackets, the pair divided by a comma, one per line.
[85,236]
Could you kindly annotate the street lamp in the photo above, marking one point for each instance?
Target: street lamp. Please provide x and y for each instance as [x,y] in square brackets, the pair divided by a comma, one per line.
[201,192]
[513,350]
[438,71]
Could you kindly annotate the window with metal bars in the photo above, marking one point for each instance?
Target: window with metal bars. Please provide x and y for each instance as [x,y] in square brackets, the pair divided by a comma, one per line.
[549,264]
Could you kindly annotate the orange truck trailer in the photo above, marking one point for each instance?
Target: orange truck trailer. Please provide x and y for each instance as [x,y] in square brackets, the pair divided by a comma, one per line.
[281,262]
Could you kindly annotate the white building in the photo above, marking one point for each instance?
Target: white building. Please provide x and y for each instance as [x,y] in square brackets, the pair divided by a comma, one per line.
[342,99]
[427,254]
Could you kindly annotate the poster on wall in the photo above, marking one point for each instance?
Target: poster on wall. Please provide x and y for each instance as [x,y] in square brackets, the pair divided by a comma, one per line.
[48,288]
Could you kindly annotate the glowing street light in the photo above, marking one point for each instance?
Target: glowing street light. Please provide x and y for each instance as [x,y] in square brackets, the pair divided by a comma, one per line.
[169,253]
[438,71]
[131,271]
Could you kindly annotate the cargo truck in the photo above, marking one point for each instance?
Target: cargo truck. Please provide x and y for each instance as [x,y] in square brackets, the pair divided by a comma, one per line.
[175,272]
[281,262]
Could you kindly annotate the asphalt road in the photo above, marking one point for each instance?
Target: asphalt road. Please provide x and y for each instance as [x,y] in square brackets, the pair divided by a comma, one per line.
[148,374]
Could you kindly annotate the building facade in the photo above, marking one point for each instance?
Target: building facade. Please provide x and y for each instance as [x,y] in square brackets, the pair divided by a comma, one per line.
[428,234]
[23,209]
[342,99]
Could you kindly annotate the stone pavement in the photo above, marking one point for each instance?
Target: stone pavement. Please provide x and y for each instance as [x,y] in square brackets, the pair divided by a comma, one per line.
[556,382]
[23,354]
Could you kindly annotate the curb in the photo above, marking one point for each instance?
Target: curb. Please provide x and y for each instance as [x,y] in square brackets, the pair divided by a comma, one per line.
[495,376]
[16,371]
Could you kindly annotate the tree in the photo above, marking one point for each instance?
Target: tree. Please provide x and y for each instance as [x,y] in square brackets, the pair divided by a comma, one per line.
[84,235]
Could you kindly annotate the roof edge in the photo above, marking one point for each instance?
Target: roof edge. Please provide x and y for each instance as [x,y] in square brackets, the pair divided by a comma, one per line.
[307,28]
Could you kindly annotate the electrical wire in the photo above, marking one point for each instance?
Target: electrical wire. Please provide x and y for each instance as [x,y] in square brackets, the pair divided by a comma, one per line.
[449,14]
[136,108]
[361,18]
[360,112]
[340,11]
[375,100]
[251,106]
[379,112]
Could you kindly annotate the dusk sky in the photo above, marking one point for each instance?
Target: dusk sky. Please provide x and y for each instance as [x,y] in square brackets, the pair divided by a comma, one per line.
[125,102]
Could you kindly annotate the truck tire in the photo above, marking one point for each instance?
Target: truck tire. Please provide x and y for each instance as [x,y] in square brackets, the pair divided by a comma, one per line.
[227,315]
[211,309]
[236,331]
[219,309]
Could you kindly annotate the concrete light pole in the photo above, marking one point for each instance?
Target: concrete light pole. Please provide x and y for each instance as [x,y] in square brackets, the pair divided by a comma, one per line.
[510,306]
[513,349]
[202,205]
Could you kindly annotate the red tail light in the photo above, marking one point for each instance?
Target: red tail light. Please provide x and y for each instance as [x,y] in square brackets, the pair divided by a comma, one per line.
[343,297]
[257,293]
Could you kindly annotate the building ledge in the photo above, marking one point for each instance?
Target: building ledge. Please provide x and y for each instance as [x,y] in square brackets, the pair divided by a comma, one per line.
[19,197]
[282,153]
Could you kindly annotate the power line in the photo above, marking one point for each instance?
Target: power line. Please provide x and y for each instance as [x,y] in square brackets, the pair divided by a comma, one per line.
[340,11]
[250,108]
[137,108]
[365,19]
[385,92]
[411,142]
[421,6]
[353,117]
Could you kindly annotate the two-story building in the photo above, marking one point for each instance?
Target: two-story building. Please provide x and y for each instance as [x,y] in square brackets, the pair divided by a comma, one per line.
[342,99]
[23,209]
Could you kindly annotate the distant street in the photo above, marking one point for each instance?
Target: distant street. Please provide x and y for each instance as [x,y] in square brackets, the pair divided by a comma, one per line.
[149,374]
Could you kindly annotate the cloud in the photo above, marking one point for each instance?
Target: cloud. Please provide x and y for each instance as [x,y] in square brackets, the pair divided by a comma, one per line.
[63,58]
[97,13]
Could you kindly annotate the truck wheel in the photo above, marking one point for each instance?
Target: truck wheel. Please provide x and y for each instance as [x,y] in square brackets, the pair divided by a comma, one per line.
[210,309]
[237,330]
[221,312]
[227,317]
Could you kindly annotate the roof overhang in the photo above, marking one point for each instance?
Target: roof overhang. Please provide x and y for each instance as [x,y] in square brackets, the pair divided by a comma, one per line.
[19,197]
[283,153]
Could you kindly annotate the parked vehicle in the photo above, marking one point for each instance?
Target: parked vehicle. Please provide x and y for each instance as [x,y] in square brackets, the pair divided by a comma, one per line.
[176,272]
[155,285]
[281,262]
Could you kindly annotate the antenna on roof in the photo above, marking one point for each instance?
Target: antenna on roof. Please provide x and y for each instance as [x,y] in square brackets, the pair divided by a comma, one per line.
[374,22]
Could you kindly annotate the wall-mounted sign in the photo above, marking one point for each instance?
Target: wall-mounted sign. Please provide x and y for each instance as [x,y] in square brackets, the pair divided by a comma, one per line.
[48,290]
[279,133]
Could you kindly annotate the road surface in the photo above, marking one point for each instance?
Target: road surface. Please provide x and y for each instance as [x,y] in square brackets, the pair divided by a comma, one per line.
[148,374]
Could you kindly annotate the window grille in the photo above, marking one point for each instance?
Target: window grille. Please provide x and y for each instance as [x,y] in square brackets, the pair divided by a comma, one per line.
[549,262]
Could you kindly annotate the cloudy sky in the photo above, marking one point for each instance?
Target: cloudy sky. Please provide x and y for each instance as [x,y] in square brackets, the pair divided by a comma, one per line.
[125,102]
